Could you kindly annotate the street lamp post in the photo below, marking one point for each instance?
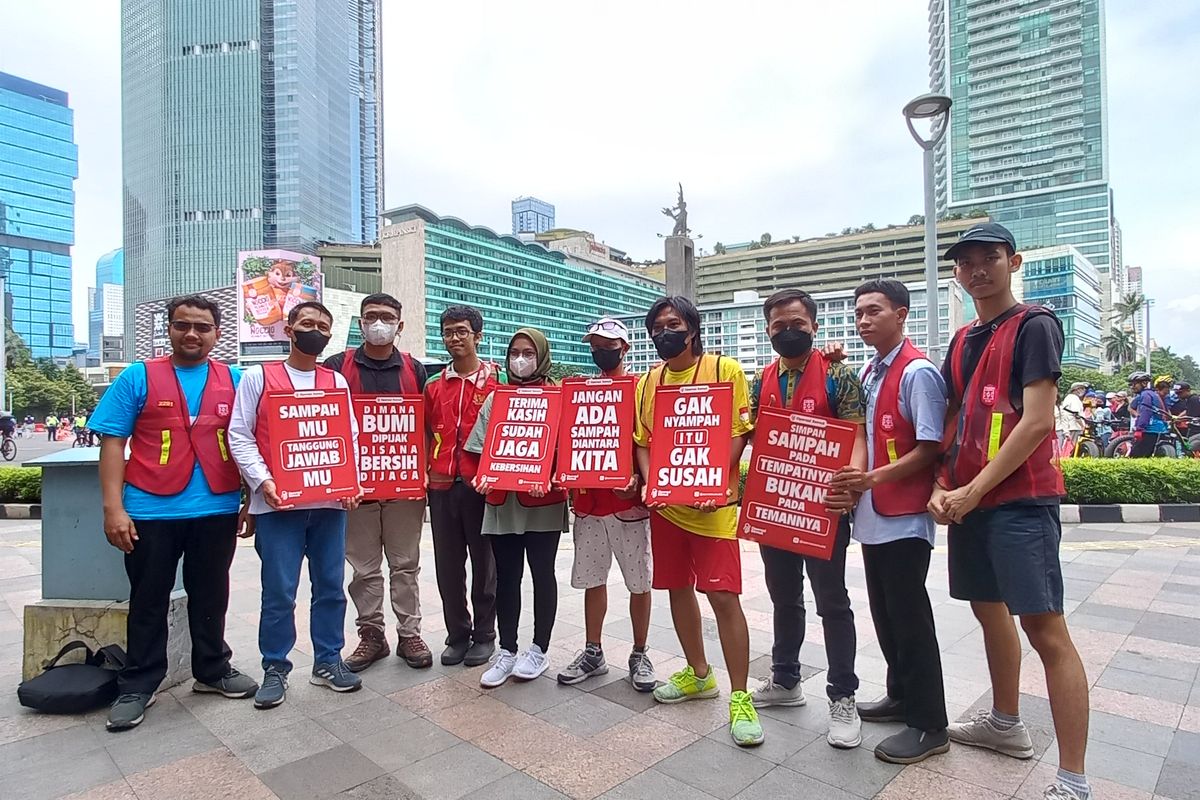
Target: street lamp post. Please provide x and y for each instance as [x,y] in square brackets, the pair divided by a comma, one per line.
[1148,302]
[934,107]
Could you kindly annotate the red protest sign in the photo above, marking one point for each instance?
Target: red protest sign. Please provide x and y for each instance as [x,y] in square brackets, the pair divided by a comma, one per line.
[689,444]
[518,452]
[312,445]
[595,440]
[794,459]
[391,446]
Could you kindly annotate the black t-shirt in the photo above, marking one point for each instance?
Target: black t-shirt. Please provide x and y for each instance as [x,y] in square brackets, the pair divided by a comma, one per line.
[379,377]
[1038,353]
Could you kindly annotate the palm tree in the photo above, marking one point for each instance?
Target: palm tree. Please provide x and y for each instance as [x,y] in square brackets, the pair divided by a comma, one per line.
[1129,306]
[1120,346]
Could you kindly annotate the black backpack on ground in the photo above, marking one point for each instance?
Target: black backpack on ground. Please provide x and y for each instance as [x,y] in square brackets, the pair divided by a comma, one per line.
[75,688]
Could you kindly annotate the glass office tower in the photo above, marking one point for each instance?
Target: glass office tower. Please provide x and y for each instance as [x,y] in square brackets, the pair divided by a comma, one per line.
[247,124]
[39,163]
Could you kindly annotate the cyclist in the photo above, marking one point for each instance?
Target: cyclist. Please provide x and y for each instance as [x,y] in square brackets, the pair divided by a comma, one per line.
[1102,417]
[1188,404]
[81,429]
[1119,405]
[1071,422]
[8,424]
[1151,421]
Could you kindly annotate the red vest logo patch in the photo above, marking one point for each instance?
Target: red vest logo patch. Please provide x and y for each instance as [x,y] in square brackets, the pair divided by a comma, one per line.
[808,405]
[166,403]
[222,409]
[887,423]
[988,396]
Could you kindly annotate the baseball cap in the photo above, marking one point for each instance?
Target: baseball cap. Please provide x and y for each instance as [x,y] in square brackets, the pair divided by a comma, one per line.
[607,328]
[1182,385]
[987,232]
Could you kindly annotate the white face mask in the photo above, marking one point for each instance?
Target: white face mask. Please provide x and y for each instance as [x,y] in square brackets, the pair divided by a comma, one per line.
[380,333]
[521,366]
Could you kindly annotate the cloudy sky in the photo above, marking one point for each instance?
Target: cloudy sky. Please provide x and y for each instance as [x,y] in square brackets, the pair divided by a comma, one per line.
[777,116]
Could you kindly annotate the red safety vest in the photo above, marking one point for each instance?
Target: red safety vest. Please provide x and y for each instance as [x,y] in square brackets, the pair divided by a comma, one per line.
[892,437]
[810,395]
[408,373]
[166,444]
[449,429]
[987,417]
[276,379]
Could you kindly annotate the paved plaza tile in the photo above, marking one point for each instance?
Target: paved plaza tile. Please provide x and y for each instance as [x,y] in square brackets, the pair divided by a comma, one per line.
[1133,598]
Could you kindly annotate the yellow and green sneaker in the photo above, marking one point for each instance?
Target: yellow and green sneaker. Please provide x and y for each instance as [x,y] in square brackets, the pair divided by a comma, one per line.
[684,685]
[744,726]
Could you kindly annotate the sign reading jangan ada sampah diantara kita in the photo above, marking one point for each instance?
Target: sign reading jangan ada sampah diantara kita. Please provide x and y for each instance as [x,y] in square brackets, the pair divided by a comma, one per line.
[595,440]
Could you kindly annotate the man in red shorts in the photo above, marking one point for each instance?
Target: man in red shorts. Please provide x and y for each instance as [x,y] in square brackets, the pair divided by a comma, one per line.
[695,548]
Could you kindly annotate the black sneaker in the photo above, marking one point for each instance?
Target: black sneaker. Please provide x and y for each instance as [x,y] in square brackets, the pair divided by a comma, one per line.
[455,652]
[479,653]
[233,685]
[588,662]
[911,745]
[128,711]
[885,709]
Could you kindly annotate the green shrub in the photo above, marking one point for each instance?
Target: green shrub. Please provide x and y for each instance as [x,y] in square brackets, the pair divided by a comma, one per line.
[20,485]
[1123,480]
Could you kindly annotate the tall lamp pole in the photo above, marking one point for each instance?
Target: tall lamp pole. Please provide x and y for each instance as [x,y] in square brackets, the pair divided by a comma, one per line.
[1148,302]
[936,108]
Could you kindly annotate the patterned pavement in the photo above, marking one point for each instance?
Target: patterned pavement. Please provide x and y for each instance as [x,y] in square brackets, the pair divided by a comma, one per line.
[1134,602]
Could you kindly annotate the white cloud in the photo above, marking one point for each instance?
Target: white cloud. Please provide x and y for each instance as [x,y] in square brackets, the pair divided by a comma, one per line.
[776,115]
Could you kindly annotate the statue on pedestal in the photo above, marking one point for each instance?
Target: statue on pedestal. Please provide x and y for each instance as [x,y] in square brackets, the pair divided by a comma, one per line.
[679,214]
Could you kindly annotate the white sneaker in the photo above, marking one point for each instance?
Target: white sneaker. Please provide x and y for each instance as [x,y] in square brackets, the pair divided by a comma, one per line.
[531,664]
[845,728]
[979,731]
[771,693]
[502,666]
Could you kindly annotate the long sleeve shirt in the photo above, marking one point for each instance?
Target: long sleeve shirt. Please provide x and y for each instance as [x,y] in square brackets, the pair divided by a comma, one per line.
[244,422]
[1151,413]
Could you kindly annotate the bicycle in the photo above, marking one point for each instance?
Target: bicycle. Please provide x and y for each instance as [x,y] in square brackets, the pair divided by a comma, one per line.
[1175,443]
[81,438]
[8,447]
[1088,445]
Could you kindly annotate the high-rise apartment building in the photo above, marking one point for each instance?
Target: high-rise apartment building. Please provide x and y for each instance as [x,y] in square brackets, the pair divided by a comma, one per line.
[530,215]
[1065,281]
[247,124]
[39,163]
[1028,129]
[106,310]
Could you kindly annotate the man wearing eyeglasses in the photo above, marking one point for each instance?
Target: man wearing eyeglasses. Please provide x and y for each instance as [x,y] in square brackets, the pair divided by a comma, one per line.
[388,529]
[452,403]
[177,497]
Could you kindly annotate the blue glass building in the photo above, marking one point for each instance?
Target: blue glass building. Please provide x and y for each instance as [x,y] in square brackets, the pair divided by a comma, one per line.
[106,312]
[530,215]
[39,163]
[246,124]
[1063,280]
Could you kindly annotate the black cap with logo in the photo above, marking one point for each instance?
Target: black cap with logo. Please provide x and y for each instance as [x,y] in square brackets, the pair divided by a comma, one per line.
[990,232]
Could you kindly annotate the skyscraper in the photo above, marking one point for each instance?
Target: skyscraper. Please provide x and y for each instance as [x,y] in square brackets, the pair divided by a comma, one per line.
[39,163]
[1028,129]
[530,215]
[247,124]
[106,309]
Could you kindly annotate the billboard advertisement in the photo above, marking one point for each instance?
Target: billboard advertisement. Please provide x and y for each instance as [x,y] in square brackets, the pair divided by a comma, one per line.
[270,284]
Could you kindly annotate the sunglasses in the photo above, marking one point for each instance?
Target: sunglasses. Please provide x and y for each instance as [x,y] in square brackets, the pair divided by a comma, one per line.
[606,325]
[198,327]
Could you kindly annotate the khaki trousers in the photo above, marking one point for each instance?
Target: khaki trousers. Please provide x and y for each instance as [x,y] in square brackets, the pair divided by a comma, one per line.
[390,529]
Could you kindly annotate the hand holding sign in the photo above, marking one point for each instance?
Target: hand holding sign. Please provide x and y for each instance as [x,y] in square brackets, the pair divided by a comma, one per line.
[391,446]
[312,452]
[595,449]
[518,451]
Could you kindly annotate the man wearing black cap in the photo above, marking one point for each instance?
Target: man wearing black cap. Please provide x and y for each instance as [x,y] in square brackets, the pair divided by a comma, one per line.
[999,489]
[1189,405]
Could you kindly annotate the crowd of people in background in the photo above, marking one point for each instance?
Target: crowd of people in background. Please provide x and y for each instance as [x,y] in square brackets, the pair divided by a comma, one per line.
[1147,412]
[971,446]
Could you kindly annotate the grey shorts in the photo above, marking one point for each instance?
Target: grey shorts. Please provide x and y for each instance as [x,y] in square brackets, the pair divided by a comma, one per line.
[1009,555]
[598,539]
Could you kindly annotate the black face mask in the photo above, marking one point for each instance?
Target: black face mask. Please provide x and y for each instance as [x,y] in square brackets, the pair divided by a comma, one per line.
[311,343]
[607,360]
[670,343]
[792,342]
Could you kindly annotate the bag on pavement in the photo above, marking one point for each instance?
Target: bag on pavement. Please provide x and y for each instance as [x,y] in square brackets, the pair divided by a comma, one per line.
[75,688]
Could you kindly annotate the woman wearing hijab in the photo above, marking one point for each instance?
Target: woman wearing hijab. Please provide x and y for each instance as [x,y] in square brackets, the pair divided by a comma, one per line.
[522,526]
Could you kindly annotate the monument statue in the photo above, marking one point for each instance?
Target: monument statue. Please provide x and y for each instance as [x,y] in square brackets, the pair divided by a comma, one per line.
[679,214]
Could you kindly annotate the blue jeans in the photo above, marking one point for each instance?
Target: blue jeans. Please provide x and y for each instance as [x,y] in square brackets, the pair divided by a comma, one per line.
[283,539]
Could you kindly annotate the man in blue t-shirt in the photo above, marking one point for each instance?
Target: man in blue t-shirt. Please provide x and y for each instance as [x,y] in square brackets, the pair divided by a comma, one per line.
[162,505]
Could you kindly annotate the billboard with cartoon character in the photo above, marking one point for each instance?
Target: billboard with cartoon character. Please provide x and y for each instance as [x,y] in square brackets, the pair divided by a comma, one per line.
[270,284]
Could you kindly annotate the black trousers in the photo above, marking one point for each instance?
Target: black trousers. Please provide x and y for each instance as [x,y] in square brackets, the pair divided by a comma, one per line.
[1144,447]
[903,617]
[206,545]
[456,516]
[512,550]
[784,572]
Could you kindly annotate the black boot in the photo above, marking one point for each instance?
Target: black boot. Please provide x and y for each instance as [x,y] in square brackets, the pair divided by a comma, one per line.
[885,709]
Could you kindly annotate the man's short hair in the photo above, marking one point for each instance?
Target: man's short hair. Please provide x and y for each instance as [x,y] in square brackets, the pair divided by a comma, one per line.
[194,301]
[468,314]
[788,296]
[294,314]
[895,291]
[686,311]
[381,299]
